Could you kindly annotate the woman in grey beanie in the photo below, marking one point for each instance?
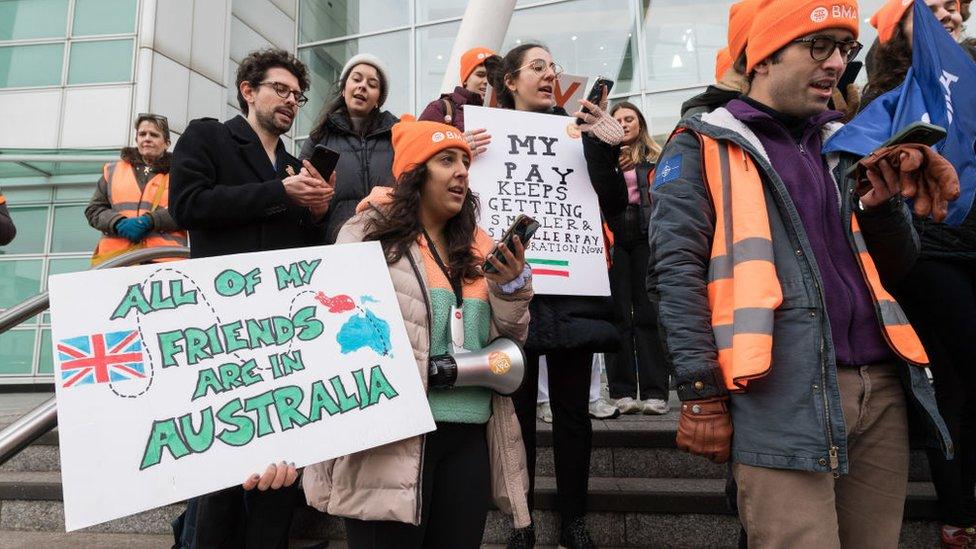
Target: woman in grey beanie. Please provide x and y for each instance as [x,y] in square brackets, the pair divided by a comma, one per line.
[354,125]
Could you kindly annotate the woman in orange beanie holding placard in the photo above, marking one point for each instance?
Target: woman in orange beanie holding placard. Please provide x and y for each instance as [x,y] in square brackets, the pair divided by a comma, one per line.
[434,490]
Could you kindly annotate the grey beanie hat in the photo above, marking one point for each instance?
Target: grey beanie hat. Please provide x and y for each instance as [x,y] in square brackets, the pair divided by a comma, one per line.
[373,61]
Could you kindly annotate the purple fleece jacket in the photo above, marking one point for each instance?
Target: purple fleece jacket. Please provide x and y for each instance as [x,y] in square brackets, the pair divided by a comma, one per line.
[796,158]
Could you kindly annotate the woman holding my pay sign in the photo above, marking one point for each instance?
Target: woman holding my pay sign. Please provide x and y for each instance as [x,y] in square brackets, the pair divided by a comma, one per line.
[434,490]
[566,329]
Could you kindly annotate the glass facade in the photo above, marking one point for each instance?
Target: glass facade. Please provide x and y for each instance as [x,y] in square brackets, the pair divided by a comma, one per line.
[659,52]
[53,237]
[66,42]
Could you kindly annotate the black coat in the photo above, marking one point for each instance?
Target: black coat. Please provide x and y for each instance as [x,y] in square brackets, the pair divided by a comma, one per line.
[561,323]
[224,190]
[364,162]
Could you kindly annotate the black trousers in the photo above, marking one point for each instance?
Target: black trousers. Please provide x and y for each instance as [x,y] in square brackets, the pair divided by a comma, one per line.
[939,298]
[237,519]
[572,433]
[640,363]
[455,496]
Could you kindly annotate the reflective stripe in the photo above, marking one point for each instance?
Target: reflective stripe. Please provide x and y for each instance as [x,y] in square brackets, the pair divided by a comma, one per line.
[128,199]
[181,240]
[723,157]
[753,320]
[750,249]
[892,314]
[898,332]
[859,244]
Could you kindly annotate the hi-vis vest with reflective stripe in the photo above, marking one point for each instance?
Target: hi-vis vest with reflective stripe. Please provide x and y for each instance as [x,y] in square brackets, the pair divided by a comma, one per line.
[743,290]
[129,200]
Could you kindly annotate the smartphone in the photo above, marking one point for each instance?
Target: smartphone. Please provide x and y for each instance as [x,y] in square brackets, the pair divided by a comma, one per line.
[596,93]
[523,227]
[846,79]
[324,159]
[922,133]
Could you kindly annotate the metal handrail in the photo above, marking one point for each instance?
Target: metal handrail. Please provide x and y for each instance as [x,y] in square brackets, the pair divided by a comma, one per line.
[32,425]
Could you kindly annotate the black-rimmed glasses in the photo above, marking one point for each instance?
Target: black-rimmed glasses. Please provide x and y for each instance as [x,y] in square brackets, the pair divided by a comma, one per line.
[284,91]
[822,47]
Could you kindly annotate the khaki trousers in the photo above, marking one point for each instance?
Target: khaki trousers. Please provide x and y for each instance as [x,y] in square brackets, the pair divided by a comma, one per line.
[863,509]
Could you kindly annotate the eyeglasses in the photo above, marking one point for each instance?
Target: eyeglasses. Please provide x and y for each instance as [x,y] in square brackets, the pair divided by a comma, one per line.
[539,66]
[284,91]
[151,116]
[822,47]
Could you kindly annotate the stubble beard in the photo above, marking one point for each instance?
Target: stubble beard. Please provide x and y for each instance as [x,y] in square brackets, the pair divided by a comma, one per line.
[269,124]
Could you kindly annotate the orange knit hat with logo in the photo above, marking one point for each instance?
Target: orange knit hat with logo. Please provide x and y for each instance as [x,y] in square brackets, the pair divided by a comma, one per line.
[741,15]
[887,18]
[471,59]
[779,22]
[415,142]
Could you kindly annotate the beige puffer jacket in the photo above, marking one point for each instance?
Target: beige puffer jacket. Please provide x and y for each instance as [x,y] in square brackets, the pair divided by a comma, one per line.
[384,483]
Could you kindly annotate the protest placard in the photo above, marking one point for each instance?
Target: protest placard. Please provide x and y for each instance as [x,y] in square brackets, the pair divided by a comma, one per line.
[535,166]
[181,378]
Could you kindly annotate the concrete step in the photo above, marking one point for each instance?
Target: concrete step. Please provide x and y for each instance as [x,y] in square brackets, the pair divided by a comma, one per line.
[626,447]
[623,512]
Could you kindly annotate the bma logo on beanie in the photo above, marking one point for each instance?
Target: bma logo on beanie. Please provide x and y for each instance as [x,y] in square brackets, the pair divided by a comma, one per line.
[437,137]
[778,22]
[837,11]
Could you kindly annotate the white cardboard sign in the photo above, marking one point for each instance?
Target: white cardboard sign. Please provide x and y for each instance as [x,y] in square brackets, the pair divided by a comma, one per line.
[535,166]
[178,379]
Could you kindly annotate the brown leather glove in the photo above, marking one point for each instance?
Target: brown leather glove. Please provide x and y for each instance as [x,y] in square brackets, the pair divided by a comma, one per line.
[924,175]
[705,428]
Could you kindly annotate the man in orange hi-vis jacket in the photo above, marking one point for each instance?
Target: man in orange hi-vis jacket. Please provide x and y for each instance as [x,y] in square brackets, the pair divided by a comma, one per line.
[790,356]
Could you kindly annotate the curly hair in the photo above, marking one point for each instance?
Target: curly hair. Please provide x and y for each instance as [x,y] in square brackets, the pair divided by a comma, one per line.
[399,226]
[254,68]
[890,63]
[500,68]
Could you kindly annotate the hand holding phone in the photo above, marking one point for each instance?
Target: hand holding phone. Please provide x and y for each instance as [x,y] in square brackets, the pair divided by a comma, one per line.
[324,160]
[523,227]
[596,95]
[907,165]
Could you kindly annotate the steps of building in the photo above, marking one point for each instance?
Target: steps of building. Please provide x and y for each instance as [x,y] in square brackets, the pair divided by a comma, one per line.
[626,447]
[623,511]
[643,493]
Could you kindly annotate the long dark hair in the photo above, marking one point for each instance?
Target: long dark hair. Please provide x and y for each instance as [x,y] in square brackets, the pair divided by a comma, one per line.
[338,105]
[890,63]
[399,226]
[500,68]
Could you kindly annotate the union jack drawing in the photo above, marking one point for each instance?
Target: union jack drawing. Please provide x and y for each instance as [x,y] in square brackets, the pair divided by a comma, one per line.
[101,358]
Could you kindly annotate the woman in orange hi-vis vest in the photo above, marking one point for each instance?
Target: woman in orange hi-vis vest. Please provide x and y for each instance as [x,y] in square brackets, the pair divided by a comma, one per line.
[130,202]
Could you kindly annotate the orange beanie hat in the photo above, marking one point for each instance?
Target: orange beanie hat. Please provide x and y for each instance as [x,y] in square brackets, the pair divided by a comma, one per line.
[415,142]
[741,15]
[779,22]
[887,18]
[722,63]
[471,59]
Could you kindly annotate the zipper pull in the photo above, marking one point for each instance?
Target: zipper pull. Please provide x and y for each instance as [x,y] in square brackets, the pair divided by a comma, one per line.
[834,462]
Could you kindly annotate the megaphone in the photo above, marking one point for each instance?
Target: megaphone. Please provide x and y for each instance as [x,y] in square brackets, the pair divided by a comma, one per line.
[499,366]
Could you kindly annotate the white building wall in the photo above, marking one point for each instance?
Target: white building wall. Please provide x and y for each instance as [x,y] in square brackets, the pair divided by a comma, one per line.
[257,24]
[183,45]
